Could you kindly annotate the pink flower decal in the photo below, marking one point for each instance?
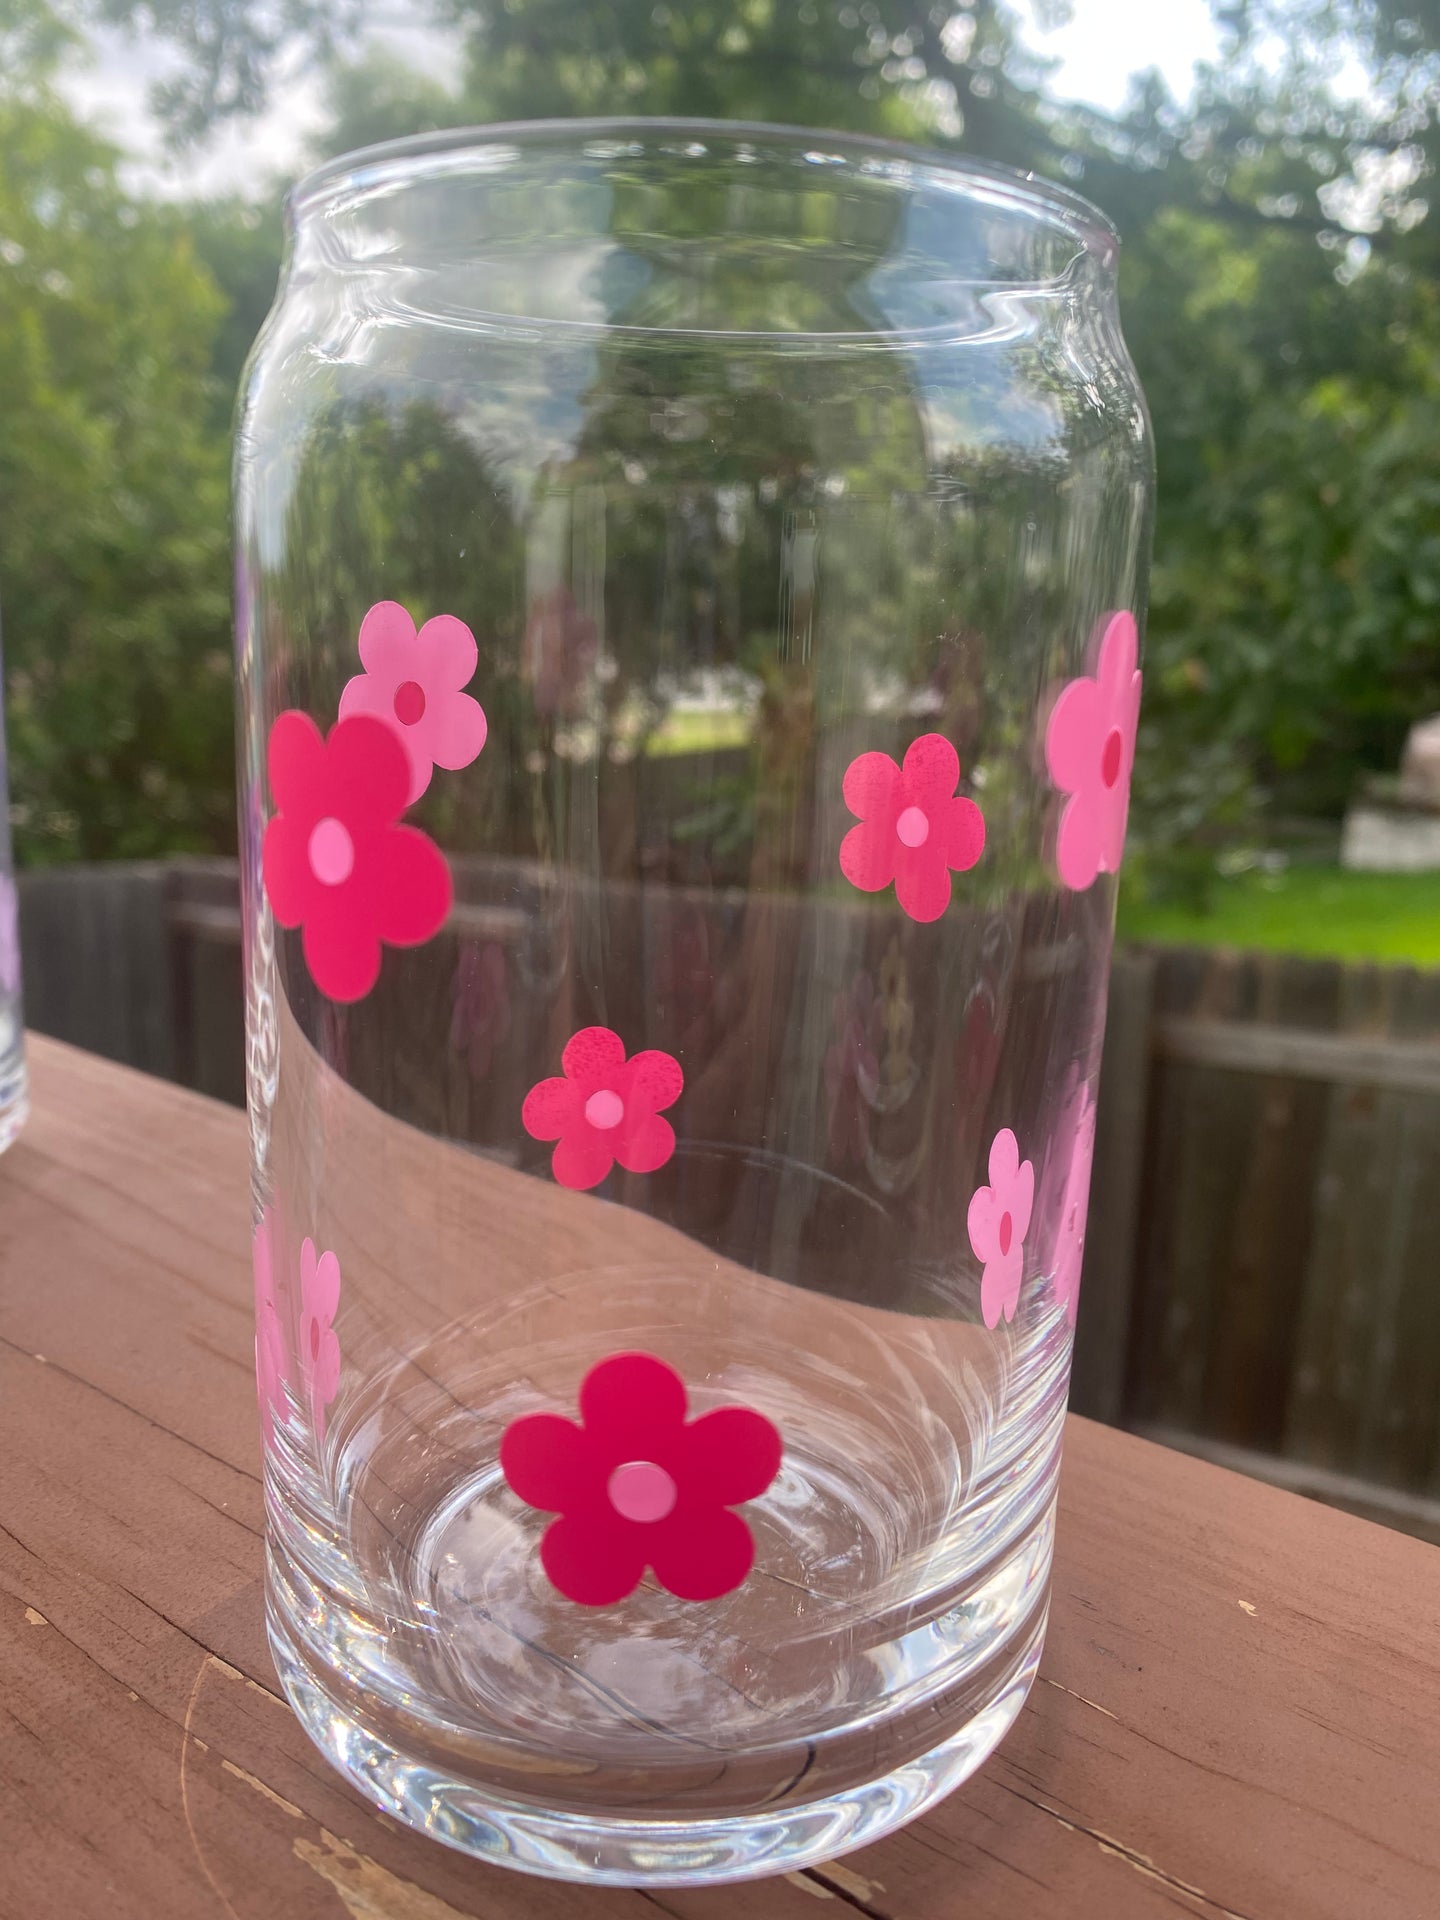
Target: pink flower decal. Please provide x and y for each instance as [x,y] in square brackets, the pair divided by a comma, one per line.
[319,1344]
[914,829]
[415,682]
[270,1365]
[335,859]
[999,1219]
[1090,750]
[636,1485]
[1069,1253]
[606,1108]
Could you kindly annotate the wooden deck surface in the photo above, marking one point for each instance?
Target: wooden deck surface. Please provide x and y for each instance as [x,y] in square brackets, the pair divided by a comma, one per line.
[1238,1711]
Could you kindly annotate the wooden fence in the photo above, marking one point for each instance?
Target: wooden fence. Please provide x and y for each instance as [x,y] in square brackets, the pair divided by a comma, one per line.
[1262,1276]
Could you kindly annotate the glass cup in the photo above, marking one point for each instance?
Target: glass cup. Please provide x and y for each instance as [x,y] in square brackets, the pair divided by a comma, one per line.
[688,584]
[14,1096]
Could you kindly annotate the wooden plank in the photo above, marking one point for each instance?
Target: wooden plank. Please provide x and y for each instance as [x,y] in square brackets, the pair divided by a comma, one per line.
[1337,1059]
[1415,1513]
[1259,1278]
[1399,1429]
[1238,1712]
[1367,1377]
[1102,1333]
[1197,1130]
[96,961]
[1249,1187]
[1201,1125]
[1192,979]
[203,922]
[215,995]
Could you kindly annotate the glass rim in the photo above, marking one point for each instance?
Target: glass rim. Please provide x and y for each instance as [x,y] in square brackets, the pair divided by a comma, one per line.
[393,162]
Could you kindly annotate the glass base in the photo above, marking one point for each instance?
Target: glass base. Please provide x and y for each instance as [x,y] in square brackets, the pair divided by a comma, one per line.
[611,1851]
[879,1650]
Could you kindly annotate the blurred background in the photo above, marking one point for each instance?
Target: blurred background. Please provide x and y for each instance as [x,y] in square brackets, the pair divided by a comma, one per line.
[1261,1277]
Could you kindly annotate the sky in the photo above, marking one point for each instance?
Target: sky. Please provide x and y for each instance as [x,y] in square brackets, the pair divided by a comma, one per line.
[1106,41]
[1097,50]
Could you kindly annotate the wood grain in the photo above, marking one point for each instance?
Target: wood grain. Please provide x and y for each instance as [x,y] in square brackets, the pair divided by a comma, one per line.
[1238,1712]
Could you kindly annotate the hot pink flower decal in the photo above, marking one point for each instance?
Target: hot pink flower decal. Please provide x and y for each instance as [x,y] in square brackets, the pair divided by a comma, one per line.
[270,1366]
[1069,1256]
[336,861]
[999,1219]
[606,1108]
[1090,750]
[415,682]
[636,1485]
[914,829]
[319,1344]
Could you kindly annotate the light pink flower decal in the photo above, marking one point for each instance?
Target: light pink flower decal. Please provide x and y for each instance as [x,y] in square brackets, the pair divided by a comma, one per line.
[999,1219]
[606,1108]
[1069,1253]
[335,858]
[914,829]
[415,682]
[637,1485]
[319,1344]
[270,1364]
[1090,750]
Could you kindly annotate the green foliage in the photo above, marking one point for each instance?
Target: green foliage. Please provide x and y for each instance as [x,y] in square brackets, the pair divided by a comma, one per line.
[1295,610]
[1323,911]
[113,574]
[32,38]
[879,68]
[1292,365]
[239,244]
[229,49]
[373,99]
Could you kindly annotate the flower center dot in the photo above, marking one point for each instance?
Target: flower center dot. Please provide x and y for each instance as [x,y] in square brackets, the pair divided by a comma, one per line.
[605,1110]
[332,851]
[409,702]
[1110,757]
[1007,1230]
[640,1490]
[913,827]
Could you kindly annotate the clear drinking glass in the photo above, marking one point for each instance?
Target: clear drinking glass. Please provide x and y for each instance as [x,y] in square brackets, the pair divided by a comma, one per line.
[14,1095]
[687,594]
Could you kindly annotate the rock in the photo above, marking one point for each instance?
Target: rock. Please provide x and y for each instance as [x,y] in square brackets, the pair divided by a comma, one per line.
[1390,839]
[1420,765]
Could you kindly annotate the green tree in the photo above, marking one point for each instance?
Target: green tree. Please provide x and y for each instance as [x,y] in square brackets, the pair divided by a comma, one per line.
[951,72]
[1291,365]
[239,243]
[1280,286]
[113,565]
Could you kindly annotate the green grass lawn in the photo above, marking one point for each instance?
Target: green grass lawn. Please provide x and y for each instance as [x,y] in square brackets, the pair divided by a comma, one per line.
[694,731]
[1307,910]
